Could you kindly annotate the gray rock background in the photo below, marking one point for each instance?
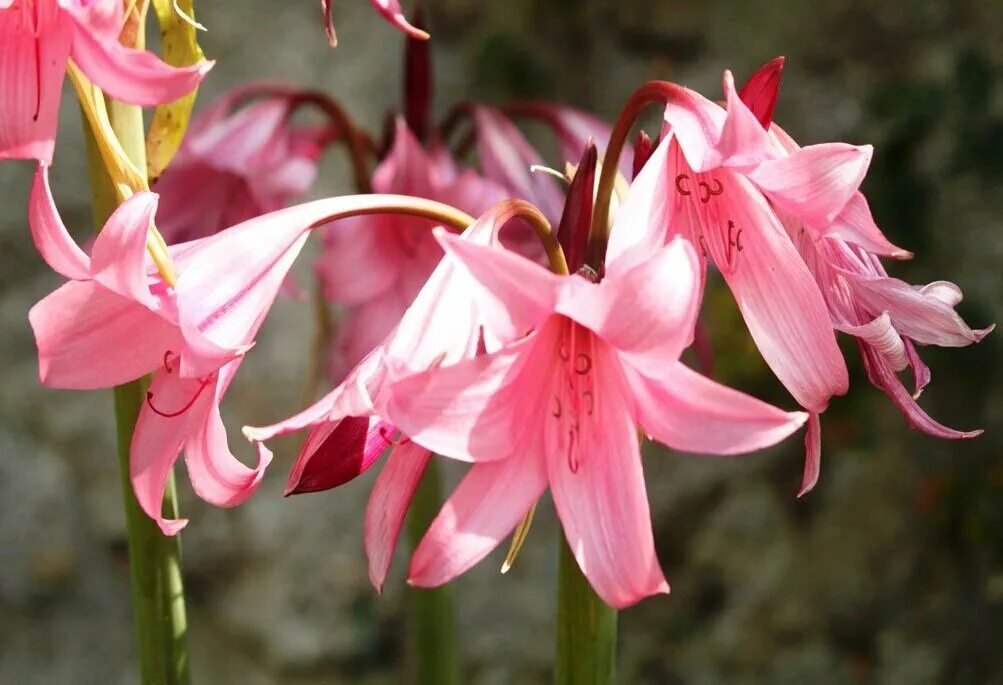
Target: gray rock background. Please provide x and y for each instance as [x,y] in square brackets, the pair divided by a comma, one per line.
[890,572]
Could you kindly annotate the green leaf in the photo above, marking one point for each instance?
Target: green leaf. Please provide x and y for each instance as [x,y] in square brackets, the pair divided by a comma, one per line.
[181,49]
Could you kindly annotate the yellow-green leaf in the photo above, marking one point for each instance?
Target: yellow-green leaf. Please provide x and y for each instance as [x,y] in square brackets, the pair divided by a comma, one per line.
[181,49]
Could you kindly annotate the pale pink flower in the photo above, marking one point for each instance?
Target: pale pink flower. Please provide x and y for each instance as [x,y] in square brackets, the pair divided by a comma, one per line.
[388,9]
[117,320]
[887,316]
[37,37]
[373,266]
[560,407]
[349,426]
[718,179]
[238,163]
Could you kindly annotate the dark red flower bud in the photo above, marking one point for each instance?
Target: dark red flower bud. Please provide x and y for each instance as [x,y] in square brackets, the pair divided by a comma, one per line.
[418,81]
[336,453]
[573,231]
[760,92]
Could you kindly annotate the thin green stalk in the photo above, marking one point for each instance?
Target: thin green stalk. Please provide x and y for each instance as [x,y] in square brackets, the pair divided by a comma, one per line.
[433,619]
[586,628]
[155,560]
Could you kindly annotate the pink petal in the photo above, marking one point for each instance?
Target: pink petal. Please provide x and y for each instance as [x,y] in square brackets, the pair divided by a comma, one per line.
[388,504]
[157,440]
[854,224]
[778,298]
[921,316]
[118,260]
[31,79]
[337,452]
[813,455]
[217,476]
[360,260]
[514,294]
[696,124]
[816,182]
[598,488]
[135,76]
[88,337]
[230,282]
[642,221]
[241,142]
[485,507]
[648,313]
[760,92]
[881,335]
[48,232]
[392,12]
[691,413]
[479,409]
[743,142]
[506,157]
[883,378]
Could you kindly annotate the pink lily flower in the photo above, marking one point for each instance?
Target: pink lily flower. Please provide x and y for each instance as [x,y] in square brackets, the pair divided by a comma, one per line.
[350,430]
[719,179]
[560,408]
[399,253]
[388,9]
[117,320]
[887,316]
[37,37]
[238,164]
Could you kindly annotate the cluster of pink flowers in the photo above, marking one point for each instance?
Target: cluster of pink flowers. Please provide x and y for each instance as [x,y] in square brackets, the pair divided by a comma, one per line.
[462,344]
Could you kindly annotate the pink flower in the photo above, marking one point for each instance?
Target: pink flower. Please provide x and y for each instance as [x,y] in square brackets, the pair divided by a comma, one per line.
[117,320]
[719,179]
[374,266]
[238,164]
[388,9]
[560,407]
[36,39]
[888,316]
[349,428]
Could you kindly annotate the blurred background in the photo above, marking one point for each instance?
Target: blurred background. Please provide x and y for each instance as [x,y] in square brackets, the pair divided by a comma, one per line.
[891,571]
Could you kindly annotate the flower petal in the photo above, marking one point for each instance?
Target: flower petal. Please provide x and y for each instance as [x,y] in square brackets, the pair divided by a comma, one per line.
[514,294]
[479,409]
[32,70]
[118,260]
[388,504]
[135,76]
[88,338]
[392,12]
[883,378]
[743,142]
[814,183]
[648,314]
[689,412]
[337,452]
[924,316]
[485,507]
[696,124]
[778,298]
[642,221]
[598,488]
[881,335]
[813,455]
[157,441]
[217,476]
[49,234]
[854,224]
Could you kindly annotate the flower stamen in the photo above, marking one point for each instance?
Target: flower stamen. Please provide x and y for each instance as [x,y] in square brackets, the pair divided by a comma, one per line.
[174,414]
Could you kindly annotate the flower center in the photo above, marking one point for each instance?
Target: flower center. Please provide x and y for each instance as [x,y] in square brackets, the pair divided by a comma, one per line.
[203,384]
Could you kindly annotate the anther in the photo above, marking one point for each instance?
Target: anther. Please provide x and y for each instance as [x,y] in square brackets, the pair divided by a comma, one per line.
[167,361]
[556,413]
[706,192]
[387,438]
[679,184]
[583,363]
